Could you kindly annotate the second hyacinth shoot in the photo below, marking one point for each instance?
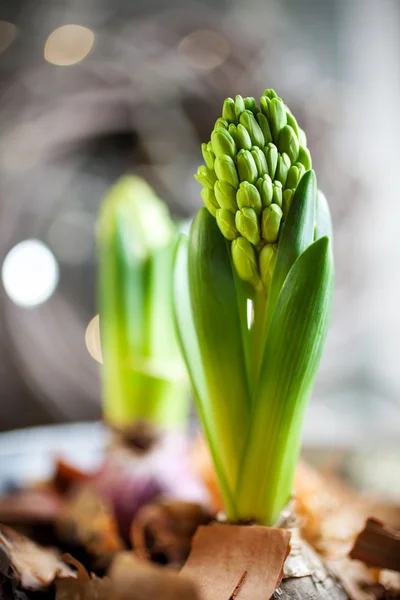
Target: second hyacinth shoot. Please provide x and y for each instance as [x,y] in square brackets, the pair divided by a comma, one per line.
[253,292]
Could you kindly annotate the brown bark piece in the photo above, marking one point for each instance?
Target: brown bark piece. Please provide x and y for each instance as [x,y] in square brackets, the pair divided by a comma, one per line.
[163,531]
[222,553]
[30,507]
[135,579]
[378,546]
[35,567]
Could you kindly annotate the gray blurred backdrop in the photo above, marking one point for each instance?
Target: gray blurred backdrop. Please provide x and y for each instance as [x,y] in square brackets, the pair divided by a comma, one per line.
[145,83]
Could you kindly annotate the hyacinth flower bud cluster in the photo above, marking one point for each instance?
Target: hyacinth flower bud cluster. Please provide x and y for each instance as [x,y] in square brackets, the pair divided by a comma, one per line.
[254,162]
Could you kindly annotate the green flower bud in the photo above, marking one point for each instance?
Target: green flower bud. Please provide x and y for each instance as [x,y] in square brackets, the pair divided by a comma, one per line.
[264,126]
[271,154]
[244,138]
[292,122]
[223,143]
[287,198]
[293,177]
[289,143]
[264,105]
[206,177]
[226,223]
[271,221]
[304,157]
[277,118]
[248,196]
[234,134]
[246,222]
[209,200]
[221,123]
[250,104]
[282,168]
[228,110]
[244,259]
[302,138]
[260,160]
[277,193]
[226,170]
[267,260]
[225,195]
[208,156]
[239,106]
[246,167]
[265,188]
[248,121]
[301,169]
[270,94]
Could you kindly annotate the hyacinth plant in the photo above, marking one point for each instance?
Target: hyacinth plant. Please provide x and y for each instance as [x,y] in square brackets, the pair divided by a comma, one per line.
[143,376]
[253,289]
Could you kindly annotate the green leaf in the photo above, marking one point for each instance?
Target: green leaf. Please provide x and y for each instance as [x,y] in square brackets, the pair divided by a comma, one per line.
[323,221]
[294,347]
[217,323]
[297,234]
[187,337]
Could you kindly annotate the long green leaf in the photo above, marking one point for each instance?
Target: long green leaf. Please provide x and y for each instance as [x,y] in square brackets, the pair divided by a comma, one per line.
[294,347]
[187,337]
[297,235]
[217,322]
[323,221]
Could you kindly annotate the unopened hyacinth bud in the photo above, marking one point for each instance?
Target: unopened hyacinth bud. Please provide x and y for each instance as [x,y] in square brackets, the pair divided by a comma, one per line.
[277,113]
[250,104]
[304,157]
[248,120]
[209,156]
[206,177]
[271,155]
[282,168]
[293,177]
[287,198]
[255,160]
[291,121]
[243,137]
[223,143]
[271,222]
[226,195]
[226,223]
[246,167]
[265,187]
[264,126]
[289,143]
[221,123]
[267,263]
[247,224]
[234,134]
[228,110]
[260,160]
[277,193]
[210,200]
[245,260]
[225,170]
[239,107]
[248,196]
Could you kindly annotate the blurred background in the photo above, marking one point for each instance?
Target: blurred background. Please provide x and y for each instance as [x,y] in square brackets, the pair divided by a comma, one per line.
[92,88]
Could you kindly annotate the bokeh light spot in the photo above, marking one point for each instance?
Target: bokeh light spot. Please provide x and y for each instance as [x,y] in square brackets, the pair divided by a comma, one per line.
[8,31]
[204,49]
[30,273]
[68,45]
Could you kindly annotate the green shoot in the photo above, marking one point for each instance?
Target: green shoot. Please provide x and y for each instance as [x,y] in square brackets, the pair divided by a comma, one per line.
[143,375]
[253,291]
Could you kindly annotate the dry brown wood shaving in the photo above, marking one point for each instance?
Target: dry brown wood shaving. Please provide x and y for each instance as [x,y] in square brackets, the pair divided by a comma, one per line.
[222,553]
[34,566]
[378,546]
